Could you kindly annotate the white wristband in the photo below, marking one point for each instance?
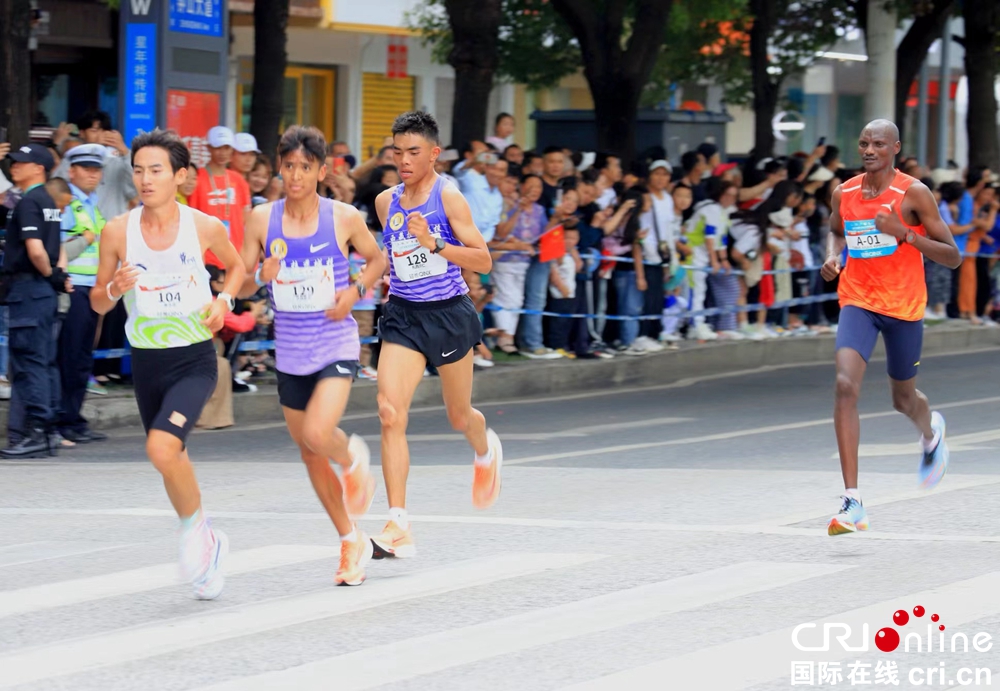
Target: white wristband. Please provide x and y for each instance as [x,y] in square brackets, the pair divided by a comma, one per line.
[256,278]
[110,296]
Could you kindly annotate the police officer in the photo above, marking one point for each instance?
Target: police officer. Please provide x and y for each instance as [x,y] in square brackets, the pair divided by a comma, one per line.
[31,279]
[81,223]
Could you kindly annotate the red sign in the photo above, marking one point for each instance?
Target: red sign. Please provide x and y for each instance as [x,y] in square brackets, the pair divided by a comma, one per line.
[396,58]
[192,114]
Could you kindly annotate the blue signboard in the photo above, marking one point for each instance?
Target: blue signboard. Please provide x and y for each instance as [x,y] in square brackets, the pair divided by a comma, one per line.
[140,80]
[203,17]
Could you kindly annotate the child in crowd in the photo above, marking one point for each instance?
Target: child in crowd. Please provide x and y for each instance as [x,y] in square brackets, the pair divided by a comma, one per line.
[258,180]
[188,188]
[676,284]
[562,293]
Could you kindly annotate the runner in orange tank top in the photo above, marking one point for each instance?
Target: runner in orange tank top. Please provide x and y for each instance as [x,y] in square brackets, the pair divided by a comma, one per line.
[887,222]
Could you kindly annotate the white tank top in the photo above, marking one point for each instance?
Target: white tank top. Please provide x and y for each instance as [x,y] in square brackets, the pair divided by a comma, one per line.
[165,306]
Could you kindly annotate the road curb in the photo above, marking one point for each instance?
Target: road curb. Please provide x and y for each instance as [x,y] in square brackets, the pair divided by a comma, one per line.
[546,378]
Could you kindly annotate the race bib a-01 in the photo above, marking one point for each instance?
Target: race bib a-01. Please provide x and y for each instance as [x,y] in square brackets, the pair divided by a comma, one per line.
[864,241]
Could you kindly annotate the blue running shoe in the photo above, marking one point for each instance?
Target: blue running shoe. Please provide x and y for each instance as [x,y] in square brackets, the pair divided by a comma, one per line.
[934,463]
[852,518]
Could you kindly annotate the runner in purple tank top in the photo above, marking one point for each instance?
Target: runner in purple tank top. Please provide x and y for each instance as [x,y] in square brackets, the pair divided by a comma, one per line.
[304,240]
[430,237]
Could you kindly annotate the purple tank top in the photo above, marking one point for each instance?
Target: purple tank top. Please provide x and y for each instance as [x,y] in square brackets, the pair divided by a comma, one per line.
[306,342]
[441,286]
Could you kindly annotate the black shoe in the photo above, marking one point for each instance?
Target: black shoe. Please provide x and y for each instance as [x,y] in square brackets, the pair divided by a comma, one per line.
[35,445]
[84,437]
[96,436]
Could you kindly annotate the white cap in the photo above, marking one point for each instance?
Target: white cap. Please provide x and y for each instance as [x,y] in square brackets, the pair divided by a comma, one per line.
[586,160]
[220,136]
[660,164]
[245,143]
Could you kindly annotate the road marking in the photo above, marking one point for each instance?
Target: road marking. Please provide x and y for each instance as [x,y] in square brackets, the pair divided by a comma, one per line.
[65,593]
[747,662]
[960,442]
[406,659]
[722,436]
[141,642]
[548,436]
[29,552]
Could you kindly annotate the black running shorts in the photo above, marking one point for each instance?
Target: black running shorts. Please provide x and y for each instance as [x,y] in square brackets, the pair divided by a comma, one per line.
[443,331]
[295,390]
[172,385]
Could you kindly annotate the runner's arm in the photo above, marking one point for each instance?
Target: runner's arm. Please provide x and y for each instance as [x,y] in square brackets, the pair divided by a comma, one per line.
[473,255]
[112,236]
[254,235]
[837,242]
[364,244]
[939,245]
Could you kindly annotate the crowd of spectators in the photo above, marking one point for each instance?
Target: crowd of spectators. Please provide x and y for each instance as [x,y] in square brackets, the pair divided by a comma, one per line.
[650,252]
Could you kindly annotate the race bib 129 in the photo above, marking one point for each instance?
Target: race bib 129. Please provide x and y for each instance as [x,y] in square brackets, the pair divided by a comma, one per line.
[308,287]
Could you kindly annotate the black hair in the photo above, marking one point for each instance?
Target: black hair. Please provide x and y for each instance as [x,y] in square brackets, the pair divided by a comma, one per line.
[308,140]
[639,169]
[568,183]
[214,272]
[513,170]
[707,149]
[576,158]
[776,202]
[832,154]
[951,192]
[87,120]
[379,172]
[525,178]
[492,147]
[929,183]
[795,167]
[590,176]
[501,116]
[654,153]
[512,146]
[467,147]
[715,187]
[975,176]
[180,155]
[332,145]
[689,159]
[636,194]
[602,160]
[552,149]
[417,122]
[529,156]
[57,186]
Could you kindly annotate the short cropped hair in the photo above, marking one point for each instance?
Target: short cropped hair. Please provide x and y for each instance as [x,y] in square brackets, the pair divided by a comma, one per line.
[417,122]
[180,156]
[307,139]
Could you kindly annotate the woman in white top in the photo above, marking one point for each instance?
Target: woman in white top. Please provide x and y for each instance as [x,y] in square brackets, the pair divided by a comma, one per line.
[153,257]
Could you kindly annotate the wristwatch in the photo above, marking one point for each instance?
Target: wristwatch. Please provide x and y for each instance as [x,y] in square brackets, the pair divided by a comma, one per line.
[910,236]
[439,244]
[229,300]
[362,290]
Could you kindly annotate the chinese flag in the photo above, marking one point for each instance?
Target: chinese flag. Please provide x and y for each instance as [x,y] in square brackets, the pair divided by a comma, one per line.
[551,245]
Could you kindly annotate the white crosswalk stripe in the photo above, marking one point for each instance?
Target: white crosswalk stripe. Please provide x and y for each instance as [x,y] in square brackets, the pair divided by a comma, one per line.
[30,552]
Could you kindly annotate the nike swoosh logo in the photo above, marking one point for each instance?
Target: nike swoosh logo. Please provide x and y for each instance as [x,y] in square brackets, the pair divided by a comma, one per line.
[343,370]
[317,248]
[449,353]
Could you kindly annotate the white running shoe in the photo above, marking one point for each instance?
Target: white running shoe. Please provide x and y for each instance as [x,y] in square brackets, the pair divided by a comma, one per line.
[648,344]
[702,332]
[203,551]
[480,361]
[670,338]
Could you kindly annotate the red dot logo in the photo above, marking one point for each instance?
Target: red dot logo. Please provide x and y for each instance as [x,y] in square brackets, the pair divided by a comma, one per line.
[900,617]
[887,639]
[934,617]
[941,628]
[918,611]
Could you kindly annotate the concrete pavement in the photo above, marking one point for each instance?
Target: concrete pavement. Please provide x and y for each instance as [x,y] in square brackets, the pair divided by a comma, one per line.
[648,537]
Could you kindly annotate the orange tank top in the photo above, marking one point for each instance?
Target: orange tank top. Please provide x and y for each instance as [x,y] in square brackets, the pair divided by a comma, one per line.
[881,274]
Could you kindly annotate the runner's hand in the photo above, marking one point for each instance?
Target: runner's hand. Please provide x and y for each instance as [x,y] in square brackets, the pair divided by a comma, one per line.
[889,223]
[215,315]
[344,304]
[270,268]
[830,269]
[124,279]
[416,224]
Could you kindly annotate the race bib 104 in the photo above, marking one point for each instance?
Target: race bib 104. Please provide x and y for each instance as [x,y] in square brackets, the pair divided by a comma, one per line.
[308,287]
[169,295]
[864,241]
[412,261]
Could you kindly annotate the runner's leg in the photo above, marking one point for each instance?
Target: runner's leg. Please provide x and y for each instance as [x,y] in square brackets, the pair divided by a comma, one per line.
[170,458]
[911,402]
[400,371]
[850,373]
[456,389]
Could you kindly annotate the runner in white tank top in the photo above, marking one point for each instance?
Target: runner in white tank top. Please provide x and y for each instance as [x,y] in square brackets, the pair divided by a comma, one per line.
[153,257]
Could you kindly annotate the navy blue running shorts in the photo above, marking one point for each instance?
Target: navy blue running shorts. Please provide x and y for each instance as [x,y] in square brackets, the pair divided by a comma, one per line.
[859,329]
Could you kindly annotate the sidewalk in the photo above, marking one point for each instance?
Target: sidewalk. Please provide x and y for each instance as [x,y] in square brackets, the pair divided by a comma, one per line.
[535,378]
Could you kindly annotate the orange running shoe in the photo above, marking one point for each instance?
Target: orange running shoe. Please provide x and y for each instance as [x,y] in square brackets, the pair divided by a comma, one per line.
[353,557]
[394,542]
[359,485]
[486,480]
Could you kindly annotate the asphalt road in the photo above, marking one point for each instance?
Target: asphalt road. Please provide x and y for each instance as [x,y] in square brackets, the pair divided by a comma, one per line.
[661,538]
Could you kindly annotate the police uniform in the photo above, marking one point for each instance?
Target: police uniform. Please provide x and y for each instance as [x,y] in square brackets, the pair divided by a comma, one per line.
[31,301]
[76,337]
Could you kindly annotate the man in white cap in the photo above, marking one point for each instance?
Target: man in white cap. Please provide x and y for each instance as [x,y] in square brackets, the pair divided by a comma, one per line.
[245,153]
[221,192]
[82,224]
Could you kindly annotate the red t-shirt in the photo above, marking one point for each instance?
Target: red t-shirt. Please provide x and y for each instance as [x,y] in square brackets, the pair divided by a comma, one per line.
[225,198]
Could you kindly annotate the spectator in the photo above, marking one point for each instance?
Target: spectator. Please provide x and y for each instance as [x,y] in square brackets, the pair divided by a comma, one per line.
[480,297]
[562,291]
[986,216]
[677,287]
[364,314]
[707,232]
[221,192]
[481,187]
[532,164]
[938,277]
[777,215]
[657,250]
[514,154]
[711,157]
[629,277]
[503,132]
[185,190]
[964,277]
[469,153]
[524,225]
[116,193]
[801,260]
[79,327]
[259,178]
[609,169]
[553,164]
[693,166]
[339,149]
[245,153]
[275,189]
